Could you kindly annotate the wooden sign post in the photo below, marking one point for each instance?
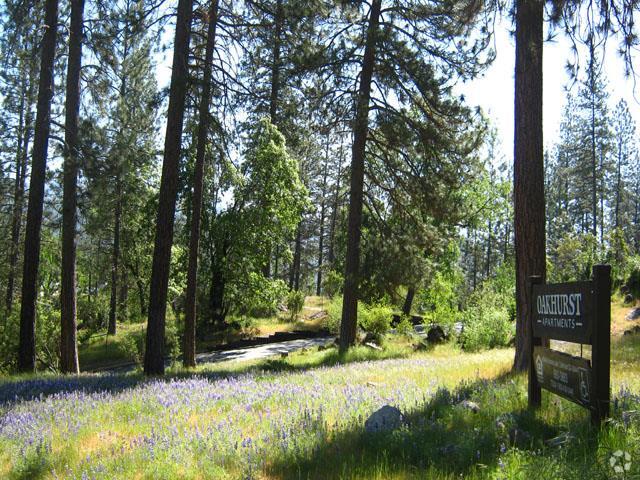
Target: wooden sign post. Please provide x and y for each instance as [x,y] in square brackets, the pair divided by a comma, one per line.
[578,312]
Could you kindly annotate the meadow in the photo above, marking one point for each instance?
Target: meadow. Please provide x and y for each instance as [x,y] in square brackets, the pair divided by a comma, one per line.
[303,417]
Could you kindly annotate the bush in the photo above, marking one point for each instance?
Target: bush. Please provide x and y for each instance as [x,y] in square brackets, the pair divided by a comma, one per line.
[258,296]
[295,302]
[633,277]
[441,300]
[375,319]
[487,321]
[334,315]
[333,283]
[133,346]
[405,327]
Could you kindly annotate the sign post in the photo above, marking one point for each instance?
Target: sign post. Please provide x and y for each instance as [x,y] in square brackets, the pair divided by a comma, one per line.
[578,312]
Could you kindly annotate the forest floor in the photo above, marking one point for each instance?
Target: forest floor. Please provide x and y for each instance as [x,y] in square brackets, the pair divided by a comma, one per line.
[303,417]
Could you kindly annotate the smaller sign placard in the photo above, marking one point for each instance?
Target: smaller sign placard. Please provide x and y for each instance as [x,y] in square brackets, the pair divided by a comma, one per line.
[563,311]
[564,375]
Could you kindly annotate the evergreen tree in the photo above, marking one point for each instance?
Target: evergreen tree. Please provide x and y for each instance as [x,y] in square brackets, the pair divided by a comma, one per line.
[154,351]
[68,342]
[26,352]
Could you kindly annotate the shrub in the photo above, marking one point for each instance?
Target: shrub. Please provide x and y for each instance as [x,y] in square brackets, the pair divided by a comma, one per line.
[295,302]
[441,299]
[334,315]
[487,329]
[487,321]
[258,296]
[375,320]
[405,327]
[333,283]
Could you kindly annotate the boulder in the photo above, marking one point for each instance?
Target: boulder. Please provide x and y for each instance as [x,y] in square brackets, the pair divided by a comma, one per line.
[385,419]
[633,314]
[318,315]
[436,334]
[283,308]
[469,405]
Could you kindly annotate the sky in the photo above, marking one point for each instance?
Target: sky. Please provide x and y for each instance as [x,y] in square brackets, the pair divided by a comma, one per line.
[494,92]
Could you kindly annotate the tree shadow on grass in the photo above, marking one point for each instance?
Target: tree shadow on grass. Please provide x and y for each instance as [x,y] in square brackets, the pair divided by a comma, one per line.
[446,439]
[31,387]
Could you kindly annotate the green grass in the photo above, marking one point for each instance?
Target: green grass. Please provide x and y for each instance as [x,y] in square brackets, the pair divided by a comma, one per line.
[102,350]
[302,416]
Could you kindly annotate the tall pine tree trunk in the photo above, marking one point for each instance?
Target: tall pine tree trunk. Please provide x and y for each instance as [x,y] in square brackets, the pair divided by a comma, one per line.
[352,268]
[322,217]
[594,163]
[294,273]
[27,344]
[528,166]
[22,156]
[154,352]
[189,357]
[618,184]
[408,301]
[334,218]
[68,341]
[115,257]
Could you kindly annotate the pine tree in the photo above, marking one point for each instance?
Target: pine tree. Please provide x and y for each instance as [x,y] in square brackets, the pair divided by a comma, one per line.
[154,352]
[68,343]
[26,351]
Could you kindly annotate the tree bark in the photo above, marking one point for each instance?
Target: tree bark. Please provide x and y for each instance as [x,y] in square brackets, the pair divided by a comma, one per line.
[322,216]
[408,301]
[68,300]
[294,273]
[154,352]
[22,156]
[27,344]
[528,166]
[189,356]
[351,278]
[115,257]
[334,218]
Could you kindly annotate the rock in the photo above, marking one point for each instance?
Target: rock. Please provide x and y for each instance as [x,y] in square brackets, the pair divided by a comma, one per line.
[469,405]
[628,299]
[282,308]
[633,314]
[560,440]
[318,315]
[436,334]
[385,419]
[519,438]
[372,345]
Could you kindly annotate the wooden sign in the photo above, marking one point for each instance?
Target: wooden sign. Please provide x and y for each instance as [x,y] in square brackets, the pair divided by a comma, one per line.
[563,311]
[564,375]
[578,312]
